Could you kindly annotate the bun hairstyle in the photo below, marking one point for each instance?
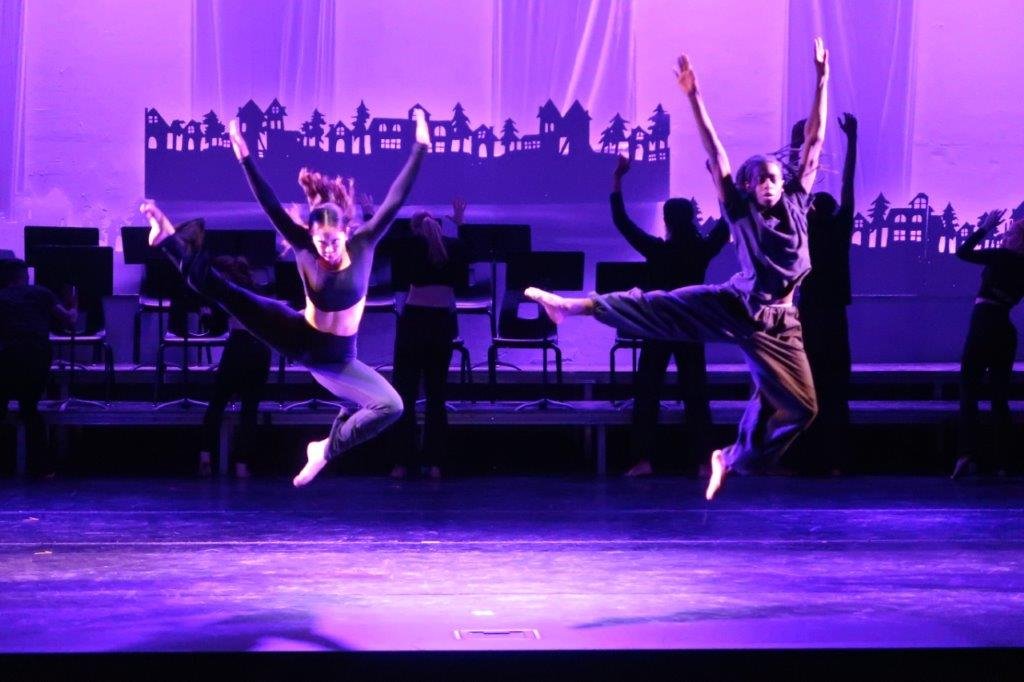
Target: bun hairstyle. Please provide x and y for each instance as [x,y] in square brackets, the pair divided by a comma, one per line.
[336,195]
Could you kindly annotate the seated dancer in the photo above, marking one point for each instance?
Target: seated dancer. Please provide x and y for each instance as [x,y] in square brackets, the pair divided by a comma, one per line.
[334,255]
[755,308]
[991,338]
[824,296]
[680,259]
[427,325]
[27,313]
[244,368]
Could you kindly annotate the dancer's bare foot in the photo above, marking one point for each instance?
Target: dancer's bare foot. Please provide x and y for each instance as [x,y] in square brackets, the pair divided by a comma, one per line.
[316,460]
[558,307]
[242,470]
[717,474]
[641,468]
[398,472]
[160,228]
[964,466]
[434,473]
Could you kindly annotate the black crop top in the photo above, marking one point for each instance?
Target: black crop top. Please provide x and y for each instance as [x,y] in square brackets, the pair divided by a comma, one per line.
[333,290]
[1002,280]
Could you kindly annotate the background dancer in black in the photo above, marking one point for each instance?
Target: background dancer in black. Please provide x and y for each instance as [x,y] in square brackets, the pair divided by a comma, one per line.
[678,260]
[754,310]
[991,339]
[824,296]
[334,256]
[435,265]
[27,313]
[243,369]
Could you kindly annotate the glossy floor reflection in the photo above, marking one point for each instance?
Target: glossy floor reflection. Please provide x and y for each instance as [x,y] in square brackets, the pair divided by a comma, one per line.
[510,563]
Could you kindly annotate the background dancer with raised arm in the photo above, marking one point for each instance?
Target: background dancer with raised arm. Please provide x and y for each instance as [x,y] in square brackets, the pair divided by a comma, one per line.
[991,342]
[825,294]
[334,256]
[754,309]
[434,266]
[680,259]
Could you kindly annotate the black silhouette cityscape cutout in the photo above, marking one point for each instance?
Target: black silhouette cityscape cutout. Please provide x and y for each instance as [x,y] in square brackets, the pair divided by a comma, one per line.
[193,161]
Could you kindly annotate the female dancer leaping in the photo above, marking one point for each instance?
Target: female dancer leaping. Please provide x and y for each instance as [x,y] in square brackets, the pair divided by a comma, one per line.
[334,255]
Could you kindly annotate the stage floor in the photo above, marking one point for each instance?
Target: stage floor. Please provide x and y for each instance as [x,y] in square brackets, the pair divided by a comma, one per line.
[510,563]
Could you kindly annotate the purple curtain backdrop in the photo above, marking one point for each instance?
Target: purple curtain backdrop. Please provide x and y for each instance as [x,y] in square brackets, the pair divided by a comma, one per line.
[566,50]
[872,56]
[237,54]
[11,104]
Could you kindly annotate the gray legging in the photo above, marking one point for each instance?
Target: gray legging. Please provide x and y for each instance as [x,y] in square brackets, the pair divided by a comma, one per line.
[331,359]
[784,401]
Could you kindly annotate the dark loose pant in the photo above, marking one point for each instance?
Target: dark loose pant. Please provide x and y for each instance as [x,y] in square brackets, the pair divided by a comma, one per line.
[783,403]
[331,359]
[24,368]
[244,369]
[991,346]
[826,334]
[691,368]
[423,351]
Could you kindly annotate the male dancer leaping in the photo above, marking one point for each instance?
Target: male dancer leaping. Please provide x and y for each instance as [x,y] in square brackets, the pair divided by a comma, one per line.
[754,309]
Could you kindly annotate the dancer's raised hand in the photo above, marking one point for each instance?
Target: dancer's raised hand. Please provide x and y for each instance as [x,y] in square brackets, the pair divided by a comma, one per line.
[238,144]
[685,75]
[458,210]
[160,227]
[991,219]
[422,130]
[848,124]
[820,58]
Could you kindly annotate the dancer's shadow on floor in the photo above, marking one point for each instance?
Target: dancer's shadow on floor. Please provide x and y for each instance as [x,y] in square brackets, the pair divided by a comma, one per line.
[261,631]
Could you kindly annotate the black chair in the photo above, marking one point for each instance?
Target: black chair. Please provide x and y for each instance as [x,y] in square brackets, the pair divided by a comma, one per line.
[489,244]
[182,334]
[622,276]
[552,270]
[88,272]
[160,284]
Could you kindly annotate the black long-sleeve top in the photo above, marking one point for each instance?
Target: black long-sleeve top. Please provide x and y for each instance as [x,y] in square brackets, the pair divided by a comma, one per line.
[1002,280]
[673,263]
[333,290]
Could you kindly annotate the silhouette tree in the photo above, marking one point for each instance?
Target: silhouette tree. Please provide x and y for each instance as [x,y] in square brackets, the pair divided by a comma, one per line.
[314,128]
[613,135]
[359,130]
[879,207]
[213,129]
[659,124]
[949,219]
[696,209]
[460,127]
[508,135]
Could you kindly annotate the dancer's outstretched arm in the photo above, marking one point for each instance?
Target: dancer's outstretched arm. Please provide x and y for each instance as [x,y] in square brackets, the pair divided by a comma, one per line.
[296,235]
[718,161]
[717,238]
[400,188]
[988,222]
[644,243]
[848,124]
[814,131]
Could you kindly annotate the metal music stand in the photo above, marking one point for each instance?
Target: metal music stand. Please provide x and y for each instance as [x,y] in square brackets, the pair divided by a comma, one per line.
[553,271]
[495,243]
[37,237]
[90,269]
[288,288]
[622,276]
